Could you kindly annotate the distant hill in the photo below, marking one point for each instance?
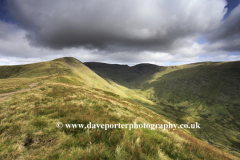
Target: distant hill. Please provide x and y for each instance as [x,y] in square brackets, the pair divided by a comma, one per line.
[125,75]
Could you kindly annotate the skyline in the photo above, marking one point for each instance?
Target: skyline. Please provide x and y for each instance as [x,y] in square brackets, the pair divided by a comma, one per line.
[122,32]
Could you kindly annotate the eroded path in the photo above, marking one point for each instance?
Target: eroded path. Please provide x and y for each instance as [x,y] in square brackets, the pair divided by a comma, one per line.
[6,95]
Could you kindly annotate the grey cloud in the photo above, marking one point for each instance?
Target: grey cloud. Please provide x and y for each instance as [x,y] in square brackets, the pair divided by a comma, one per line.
[6,29]
[116,25]
[227,35]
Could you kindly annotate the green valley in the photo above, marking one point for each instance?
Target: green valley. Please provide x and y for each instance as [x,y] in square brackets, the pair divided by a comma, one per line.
[205,92]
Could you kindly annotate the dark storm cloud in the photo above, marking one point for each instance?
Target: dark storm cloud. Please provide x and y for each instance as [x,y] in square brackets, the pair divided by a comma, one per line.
[227,35]
[123,25]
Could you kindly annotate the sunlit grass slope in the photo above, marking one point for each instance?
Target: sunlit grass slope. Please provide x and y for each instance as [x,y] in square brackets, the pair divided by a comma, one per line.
[206,92]
[66,70]
[70,92]
[28,127]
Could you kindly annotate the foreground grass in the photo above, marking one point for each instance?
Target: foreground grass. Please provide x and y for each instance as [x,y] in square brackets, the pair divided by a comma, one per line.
[28,127]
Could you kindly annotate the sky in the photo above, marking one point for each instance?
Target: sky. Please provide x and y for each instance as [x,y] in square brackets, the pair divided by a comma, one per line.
[128,32]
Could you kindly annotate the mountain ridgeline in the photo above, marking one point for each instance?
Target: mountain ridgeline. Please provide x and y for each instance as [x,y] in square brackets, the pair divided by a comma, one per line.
[124,75]
[35,97]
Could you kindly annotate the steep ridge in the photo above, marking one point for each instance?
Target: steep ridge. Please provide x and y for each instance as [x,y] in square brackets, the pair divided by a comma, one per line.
[67,69]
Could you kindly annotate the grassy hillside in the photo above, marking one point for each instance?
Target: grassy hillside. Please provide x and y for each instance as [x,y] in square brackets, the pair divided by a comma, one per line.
[66,70]
[73,94]
[208,93]
[28,127]
[205,92]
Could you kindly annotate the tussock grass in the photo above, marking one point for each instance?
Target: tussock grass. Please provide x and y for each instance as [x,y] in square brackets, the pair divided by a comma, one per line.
[28,128]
